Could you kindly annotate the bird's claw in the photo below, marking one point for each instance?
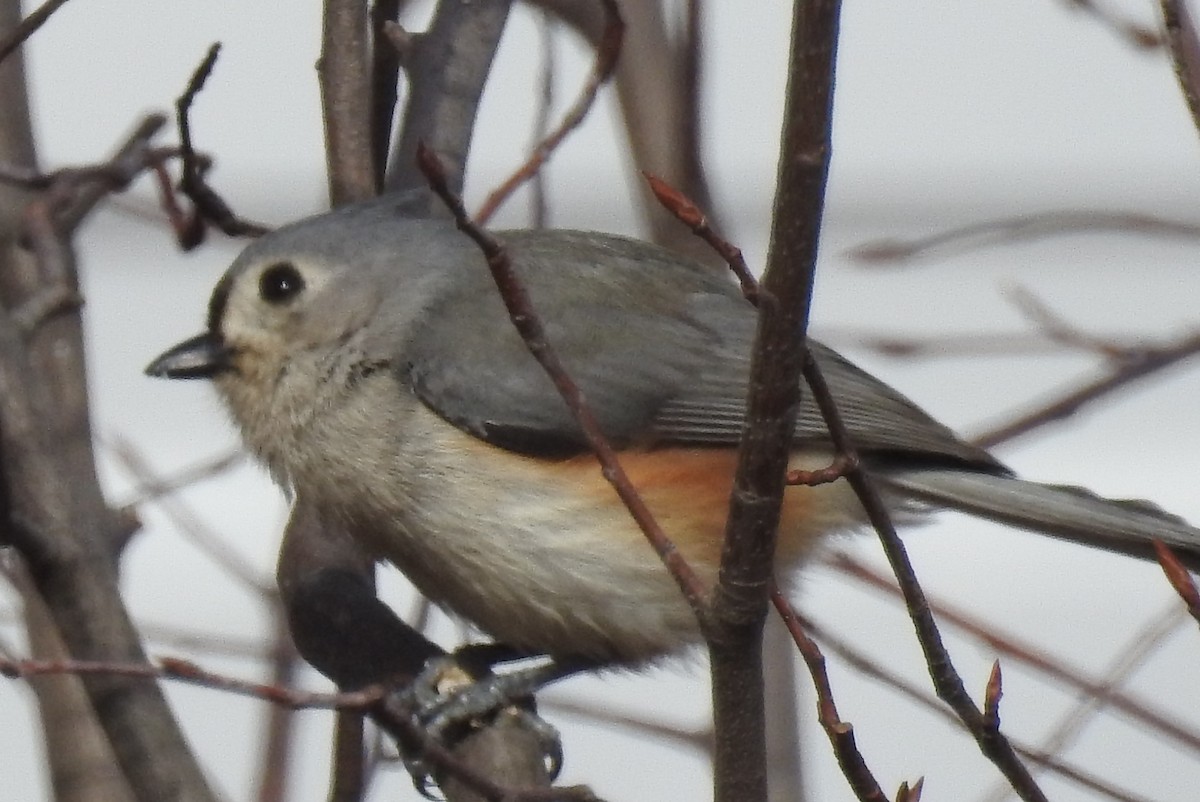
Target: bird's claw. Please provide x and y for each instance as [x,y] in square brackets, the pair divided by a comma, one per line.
[446,702]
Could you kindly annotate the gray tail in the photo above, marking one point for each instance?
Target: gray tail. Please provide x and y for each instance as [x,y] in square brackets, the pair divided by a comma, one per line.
[1070,513]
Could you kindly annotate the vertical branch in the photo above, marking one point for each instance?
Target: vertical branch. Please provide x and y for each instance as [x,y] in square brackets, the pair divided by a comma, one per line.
[344,73]
[739,606]
[52,506]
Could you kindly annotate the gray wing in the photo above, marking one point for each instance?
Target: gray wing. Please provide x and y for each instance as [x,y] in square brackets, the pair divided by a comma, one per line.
[660,348]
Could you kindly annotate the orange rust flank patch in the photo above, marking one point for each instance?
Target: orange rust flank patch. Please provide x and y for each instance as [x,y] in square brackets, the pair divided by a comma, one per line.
[687,490]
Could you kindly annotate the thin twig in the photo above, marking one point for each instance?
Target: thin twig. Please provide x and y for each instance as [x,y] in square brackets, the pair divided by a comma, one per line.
[1135,34]
[607,51]
[1022,228]
[1184,44]
[946,681]
[841,735]
[209,206]
[1145,363]
[1180,578]
[1023,652]
[688,213]
[922,698]
[35,19]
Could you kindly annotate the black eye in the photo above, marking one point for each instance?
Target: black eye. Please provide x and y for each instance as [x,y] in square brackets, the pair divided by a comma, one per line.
[279,283]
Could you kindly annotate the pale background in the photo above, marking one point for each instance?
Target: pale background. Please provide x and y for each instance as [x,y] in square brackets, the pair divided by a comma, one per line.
[947,113]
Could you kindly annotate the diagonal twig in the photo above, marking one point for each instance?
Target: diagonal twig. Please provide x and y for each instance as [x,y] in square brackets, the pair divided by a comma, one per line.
[607,51]
[28,26]
[948,684]
[529,325]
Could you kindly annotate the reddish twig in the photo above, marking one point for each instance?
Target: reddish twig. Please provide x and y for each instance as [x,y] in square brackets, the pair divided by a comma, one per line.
[841,734]
[28,26]
[839,468]
[607,51]
[529,325]
[186,671]
[947,683]
[378,700]
[1180,579]
[691,216]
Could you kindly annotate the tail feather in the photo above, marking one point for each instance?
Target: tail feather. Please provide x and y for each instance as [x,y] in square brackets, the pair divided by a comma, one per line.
[1070,513]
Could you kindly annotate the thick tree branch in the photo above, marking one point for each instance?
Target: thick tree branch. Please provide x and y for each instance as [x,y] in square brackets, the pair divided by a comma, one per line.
[740,598]
[447,67]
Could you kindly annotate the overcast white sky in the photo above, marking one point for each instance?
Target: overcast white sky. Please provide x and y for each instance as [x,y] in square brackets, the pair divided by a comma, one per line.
[947,113]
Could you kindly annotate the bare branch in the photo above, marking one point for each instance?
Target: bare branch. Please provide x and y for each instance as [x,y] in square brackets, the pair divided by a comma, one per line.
[946,681]
[607,51]
[210,207]
[1185,53]
[344,73]
[1023,652]
[740,598]
[841,735]
[36,19]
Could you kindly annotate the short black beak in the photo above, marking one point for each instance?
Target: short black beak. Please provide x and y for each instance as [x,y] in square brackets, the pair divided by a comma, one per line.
[201,357]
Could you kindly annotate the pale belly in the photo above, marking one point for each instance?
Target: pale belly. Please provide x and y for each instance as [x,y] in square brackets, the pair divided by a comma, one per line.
[542,555]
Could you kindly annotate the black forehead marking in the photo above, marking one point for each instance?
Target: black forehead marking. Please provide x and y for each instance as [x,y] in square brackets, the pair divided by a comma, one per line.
[217,304]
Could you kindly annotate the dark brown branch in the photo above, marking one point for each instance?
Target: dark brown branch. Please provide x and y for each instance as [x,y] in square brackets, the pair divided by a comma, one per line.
[1133,33]
[344,73]
[841,735]
[740,598]
[54,508]
[524,317]
[1185,53]
[946,681]
[28,26]
[209,206]
[607,51]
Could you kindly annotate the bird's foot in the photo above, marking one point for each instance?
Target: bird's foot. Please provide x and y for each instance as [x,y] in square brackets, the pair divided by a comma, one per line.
[447,702]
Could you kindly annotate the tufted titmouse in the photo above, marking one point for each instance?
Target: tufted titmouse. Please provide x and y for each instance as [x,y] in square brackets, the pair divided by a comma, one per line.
[371,365]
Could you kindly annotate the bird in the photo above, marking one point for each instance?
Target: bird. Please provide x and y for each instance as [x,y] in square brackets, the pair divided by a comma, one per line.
[370,364]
